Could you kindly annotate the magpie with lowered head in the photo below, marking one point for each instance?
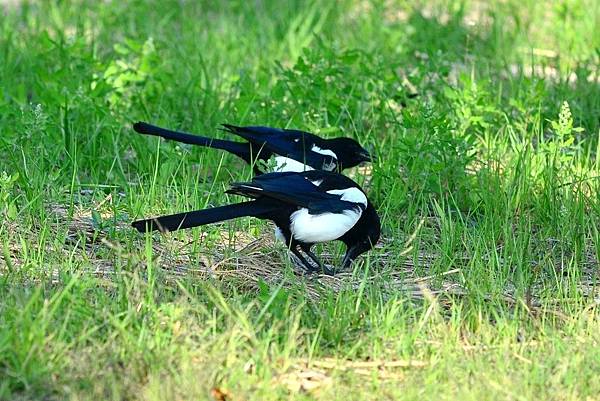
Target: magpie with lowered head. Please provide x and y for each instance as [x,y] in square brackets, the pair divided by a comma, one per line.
[307,208]
[286,149]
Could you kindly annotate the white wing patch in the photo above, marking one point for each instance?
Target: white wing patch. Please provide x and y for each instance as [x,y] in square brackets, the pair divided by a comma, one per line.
[283,164]
[323,227]
[251,187]
[353,195]
[325,152]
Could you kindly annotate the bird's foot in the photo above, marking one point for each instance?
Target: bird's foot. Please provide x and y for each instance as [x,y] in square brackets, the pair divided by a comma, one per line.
[311,265]
[327,270]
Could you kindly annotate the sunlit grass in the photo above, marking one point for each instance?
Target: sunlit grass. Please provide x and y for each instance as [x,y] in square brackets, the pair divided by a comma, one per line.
[485,285]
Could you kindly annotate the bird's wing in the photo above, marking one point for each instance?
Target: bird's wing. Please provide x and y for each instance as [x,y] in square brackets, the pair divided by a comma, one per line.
[292,189]
[295,144]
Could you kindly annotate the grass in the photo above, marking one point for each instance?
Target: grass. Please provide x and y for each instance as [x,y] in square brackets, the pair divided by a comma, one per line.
[485,285]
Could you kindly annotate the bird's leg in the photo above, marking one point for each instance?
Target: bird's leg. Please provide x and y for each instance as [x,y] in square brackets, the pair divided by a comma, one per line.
[314,258]
[307,266]
[347,261]
[351,254]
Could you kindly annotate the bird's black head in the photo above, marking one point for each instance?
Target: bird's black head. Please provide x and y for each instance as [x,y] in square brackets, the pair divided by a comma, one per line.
[349,152]
[363,236]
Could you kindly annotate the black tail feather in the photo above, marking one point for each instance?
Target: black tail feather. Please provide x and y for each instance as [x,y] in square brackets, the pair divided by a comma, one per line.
[239,149]
[197,218]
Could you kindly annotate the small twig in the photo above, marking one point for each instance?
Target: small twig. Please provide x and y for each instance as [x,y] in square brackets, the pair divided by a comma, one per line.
[577,181]
[337,364]
[426,278]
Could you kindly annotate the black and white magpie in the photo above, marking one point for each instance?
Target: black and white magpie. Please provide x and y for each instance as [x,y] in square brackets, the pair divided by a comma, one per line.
[307,208]
[286,149]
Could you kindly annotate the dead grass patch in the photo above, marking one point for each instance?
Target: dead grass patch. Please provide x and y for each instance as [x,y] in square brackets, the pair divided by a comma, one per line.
[252,260]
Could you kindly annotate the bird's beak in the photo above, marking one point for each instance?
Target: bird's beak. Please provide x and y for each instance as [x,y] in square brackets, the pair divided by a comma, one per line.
[366,157]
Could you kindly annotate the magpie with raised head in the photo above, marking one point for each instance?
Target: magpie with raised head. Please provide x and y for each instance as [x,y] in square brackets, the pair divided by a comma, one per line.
[273,149]
[307,208]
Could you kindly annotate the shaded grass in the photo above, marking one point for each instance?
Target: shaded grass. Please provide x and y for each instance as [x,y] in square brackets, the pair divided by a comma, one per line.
[487,173]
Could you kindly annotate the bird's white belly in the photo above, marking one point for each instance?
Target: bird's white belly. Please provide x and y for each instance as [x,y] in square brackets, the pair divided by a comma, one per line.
[324,227]
[283,164]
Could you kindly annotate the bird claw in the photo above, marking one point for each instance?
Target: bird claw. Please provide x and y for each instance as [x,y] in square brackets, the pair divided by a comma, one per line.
[320,270]
[312,264]
[327,271]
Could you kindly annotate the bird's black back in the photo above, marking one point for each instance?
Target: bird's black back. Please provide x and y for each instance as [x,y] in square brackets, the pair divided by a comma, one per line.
[294,144]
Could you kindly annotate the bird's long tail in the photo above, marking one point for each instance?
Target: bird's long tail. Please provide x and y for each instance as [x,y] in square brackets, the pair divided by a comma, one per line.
[239,149]
[197,218]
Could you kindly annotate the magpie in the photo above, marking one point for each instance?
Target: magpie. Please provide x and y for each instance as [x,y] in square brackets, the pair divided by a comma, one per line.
[273,149]
[307,208]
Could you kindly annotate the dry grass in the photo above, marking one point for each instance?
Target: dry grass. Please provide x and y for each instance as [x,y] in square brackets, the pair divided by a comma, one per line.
[255,260]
